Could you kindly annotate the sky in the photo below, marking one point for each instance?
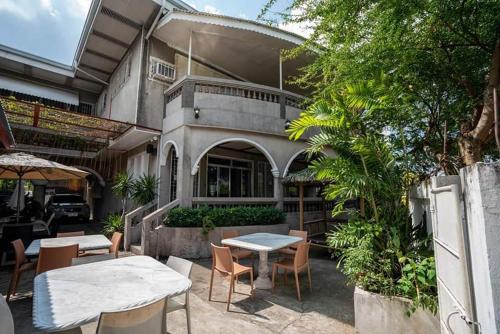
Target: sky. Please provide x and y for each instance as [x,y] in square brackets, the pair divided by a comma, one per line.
[52,28]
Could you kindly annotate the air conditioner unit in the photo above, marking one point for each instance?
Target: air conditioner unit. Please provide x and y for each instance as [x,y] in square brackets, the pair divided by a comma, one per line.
[163,71]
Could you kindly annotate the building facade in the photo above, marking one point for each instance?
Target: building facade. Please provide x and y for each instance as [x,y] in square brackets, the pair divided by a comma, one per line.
[207,98]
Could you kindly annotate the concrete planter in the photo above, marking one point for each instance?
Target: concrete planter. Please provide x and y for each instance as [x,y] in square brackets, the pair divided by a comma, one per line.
[191,243]
[377,314]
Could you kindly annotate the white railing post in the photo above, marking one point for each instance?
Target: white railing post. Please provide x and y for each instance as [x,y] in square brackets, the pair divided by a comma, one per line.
[127,229]
[147,223]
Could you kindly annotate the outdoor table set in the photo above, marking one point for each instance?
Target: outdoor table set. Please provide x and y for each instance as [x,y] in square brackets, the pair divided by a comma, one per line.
[74,296]
[262,243]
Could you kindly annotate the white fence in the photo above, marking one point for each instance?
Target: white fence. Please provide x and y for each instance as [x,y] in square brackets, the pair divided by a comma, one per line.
[464,212]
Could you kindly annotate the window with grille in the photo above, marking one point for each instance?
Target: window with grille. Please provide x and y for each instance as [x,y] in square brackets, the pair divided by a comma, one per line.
[162,70]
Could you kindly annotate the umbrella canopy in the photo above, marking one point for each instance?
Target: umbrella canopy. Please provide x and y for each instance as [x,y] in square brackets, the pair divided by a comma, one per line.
[17,197]
[28,167]
[22,166]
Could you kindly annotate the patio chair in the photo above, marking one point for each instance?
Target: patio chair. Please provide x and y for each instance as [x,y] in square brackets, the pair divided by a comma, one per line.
[11,232]
[236,252]
[183,267]
[290,250]
[50,258]
[222,262]
[6,320]
[150,318]
[113,249]
[299,263]
[45,224]
[22,265]
[70,234]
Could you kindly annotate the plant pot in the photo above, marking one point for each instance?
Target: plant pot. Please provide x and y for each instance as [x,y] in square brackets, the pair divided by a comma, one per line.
[378,314]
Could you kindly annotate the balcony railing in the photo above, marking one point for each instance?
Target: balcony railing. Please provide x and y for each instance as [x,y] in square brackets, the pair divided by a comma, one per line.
[189,85]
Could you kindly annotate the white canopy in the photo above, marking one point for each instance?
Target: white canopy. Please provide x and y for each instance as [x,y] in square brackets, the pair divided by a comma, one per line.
[46,92]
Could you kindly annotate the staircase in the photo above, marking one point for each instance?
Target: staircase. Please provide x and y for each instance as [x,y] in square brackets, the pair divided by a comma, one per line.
[147,224]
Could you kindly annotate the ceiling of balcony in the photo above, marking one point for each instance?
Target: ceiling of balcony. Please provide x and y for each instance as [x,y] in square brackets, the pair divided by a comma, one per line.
[244,49]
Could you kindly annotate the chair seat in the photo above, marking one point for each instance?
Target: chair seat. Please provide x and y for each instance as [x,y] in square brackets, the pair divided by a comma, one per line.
[239,269]
[27,266]
[286,264]
[241,253]
[174,305]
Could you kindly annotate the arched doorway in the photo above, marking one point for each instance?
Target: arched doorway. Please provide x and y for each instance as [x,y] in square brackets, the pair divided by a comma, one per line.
[234,168]
[167,187]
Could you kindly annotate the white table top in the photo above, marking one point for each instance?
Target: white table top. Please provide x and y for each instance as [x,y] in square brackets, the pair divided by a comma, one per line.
[85,242]
[71,297]
[262,241]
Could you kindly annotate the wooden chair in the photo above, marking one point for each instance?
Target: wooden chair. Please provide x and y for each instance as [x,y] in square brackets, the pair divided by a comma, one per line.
[12,232]
[115,243]
[70,234]
[290,250]
[113,249]
[299,263]
[222,261]
[237,253]
[150,318]
[183,267]
[51,258]
[22,265]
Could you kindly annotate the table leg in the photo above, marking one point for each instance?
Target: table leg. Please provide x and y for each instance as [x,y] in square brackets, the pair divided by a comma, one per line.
[263,281]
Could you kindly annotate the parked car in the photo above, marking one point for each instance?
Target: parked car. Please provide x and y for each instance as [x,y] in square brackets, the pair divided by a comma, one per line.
[68,206]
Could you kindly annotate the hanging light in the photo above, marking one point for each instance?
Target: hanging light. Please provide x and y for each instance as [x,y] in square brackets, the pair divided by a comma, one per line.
[287,124]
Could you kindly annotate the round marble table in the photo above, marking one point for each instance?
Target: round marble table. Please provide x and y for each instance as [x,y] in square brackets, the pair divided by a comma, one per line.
[262,243]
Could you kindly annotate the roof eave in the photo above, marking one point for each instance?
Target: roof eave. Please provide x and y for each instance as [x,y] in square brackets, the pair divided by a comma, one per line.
[231,22]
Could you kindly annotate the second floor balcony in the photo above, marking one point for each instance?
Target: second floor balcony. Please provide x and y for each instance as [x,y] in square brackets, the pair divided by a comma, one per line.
[230,104]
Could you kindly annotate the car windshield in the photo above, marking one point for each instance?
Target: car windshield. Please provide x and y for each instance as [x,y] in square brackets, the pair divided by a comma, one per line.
[68,199]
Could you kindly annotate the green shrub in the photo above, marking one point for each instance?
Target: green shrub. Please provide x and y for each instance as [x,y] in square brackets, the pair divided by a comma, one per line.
[113,223]
[210,218]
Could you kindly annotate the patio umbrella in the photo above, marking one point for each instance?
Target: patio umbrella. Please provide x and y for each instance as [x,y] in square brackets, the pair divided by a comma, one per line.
[15,198]
[22,166]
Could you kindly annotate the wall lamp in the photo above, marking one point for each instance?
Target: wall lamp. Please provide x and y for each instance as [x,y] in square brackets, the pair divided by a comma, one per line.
[287,124]
[196,112]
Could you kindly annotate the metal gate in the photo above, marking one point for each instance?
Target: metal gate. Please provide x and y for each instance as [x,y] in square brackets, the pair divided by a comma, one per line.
[456,308]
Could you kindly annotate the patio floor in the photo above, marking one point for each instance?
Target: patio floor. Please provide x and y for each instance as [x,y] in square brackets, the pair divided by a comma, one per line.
[328,309]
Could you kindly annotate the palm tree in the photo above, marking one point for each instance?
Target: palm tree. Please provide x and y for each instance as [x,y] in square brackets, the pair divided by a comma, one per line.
[122,188]
[144,189]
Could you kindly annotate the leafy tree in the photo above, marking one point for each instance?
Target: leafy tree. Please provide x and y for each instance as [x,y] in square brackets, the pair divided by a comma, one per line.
[380,248]
[443,55]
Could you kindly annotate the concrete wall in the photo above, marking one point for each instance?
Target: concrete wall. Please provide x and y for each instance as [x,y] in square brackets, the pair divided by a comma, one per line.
[481,184]
[377,314]
[190,242]
[122,98]
[197,68]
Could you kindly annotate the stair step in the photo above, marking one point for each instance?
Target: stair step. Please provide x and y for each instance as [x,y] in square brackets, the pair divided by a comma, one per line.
[136,249]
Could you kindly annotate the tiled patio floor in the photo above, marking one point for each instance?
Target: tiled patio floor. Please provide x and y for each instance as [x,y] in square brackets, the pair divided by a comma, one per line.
[328,309]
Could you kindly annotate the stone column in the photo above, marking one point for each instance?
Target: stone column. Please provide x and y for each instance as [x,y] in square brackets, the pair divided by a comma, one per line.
[278,189]
[184,173]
